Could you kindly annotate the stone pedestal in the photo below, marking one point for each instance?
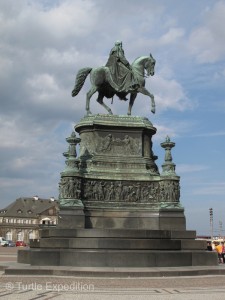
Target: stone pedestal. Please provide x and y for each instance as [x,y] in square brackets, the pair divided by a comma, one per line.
[71,218]
[121,184]
[116,209]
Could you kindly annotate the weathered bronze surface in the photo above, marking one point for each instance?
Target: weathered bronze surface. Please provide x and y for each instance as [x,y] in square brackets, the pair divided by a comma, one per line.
[116,171]
[118,77]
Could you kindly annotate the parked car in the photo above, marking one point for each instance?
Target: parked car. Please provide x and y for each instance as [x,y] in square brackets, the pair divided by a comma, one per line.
[20,244]
[3,241]
[11,244]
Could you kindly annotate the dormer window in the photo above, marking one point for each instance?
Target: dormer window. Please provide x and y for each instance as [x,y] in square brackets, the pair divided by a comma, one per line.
[19,211]
[29,211]
[50,212]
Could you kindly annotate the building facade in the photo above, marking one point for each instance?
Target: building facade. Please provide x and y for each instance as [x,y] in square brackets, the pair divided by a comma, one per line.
[22,219]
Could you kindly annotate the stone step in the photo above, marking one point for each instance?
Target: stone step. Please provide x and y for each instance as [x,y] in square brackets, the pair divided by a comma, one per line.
[115,272]
[116,258]
[119,243]
[118,233]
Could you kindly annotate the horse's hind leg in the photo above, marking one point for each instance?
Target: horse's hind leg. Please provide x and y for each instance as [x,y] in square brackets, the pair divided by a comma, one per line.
[90,93]
[100,101]
[132,98]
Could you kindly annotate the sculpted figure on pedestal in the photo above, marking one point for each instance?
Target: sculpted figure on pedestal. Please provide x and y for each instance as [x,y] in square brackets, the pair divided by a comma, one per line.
[121,72]
[118,77]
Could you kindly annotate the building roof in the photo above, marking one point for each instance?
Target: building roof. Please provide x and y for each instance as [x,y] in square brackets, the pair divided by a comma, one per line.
[28,207]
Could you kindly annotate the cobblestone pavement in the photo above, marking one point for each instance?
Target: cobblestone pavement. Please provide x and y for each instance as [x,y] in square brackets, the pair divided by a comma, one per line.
[177,288]
[8,254]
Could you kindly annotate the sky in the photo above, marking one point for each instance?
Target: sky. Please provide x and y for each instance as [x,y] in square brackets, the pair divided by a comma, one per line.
[43,44]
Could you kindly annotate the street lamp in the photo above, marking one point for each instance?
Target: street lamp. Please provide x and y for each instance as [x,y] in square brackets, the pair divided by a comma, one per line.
[211,222]
[220,228]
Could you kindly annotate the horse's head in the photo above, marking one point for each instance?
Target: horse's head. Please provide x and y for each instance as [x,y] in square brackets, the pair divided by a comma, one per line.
[150,65]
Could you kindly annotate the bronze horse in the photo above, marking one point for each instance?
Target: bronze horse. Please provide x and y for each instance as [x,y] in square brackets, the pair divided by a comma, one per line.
[101,82]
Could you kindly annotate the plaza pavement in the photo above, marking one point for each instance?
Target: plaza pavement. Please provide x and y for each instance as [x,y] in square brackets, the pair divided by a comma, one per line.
[34,287]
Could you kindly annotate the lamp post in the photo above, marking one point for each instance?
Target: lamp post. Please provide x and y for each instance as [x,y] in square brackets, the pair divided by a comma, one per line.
[220,228]
[211,222]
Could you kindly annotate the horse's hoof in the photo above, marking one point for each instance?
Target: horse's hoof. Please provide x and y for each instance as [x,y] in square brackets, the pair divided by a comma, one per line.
[110,112]
[153,110]
[89,113]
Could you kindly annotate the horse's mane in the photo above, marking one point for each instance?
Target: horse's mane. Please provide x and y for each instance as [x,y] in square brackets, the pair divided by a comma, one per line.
[139,58]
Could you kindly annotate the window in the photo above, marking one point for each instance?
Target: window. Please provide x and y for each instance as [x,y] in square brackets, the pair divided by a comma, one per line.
[20,236]
[8,236]
[45,221]
[31,235]
[51,212]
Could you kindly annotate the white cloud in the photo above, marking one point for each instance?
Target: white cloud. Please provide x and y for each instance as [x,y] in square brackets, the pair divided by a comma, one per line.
[171,36]
[207,41]
[30,158]
[169,94]
[44,87]
[52,56]
[43,81]
[69,19]
[31,23]
[163,131]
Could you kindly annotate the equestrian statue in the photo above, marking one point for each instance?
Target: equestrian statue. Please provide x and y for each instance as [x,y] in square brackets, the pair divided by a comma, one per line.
[117,77]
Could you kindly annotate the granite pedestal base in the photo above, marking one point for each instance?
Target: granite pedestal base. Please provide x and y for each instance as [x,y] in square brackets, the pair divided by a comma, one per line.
[135,218]
[117,248]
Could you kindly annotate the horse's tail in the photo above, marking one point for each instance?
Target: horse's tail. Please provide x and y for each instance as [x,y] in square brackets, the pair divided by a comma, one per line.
[80,79]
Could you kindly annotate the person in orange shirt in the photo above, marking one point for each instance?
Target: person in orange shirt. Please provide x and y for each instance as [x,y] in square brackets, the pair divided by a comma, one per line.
[223,252]
[219,250]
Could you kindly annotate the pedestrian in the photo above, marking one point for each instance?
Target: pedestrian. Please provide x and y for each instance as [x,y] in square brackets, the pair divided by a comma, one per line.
[209,246]
[223,252]
[218,249]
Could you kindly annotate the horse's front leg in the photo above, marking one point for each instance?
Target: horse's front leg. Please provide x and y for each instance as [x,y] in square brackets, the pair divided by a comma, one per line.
[90,93]
[143,91]
[131,102]
[100,101]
